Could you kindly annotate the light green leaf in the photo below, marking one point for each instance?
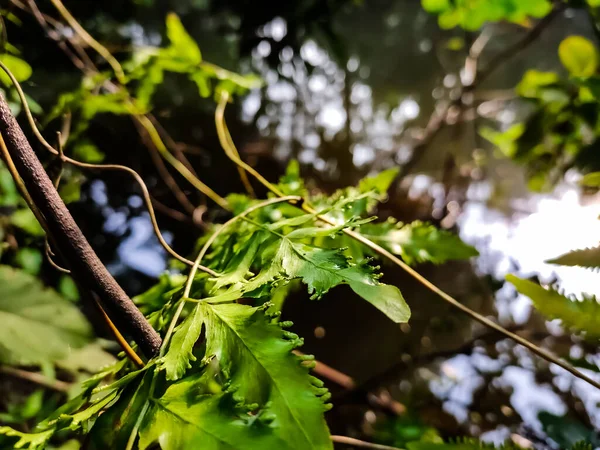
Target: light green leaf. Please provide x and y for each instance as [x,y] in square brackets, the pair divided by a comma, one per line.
[435,6]
[379,183]
[29,259]
[579,56]
[19,68]
[36,324]
[256,356]
[177,360]
[418,242]
[183,47]
[91,358]
[28,440]
[194,414]
[26,221]
[587,257]
[533,80]
[591,179]
[87,151]
[579,315]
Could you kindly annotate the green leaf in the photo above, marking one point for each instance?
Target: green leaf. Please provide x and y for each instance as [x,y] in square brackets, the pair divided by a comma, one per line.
[177,360]
[418,242]
[29,259]
[183,47]
[591,179]
[473,14]
[68,288]
[91,358]
[26,306]
[19,68]
[322,269]
[28,440]
[379,183]
[114,426]
[587,257]
[292,183]
[194,414]
[533,80]
[116,103]
[256,356]
[566,431]
[579,315]
[579,56]
[87,151]
[26,221]
[435,6]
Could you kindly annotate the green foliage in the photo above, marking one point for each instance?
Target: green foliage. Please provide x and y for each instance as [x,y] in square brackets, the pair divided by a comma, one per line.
[418,242]
[578,315]
[247,342]
[579,56]
[568,432]
[26,306]
[189,415]
[587,257]
[591,180]
[473,14]
[19,68]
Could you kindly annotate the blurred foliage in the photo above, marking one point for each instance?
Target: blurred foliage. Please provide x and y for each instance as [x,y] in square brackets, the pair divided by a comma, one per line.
[228,376]
[473,14]
[561,131]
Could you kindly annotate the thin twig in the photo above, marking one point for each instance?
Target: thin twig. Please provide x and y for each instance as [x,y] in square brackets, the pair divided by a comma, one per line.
[89,40]
[144,121]
[37,378]
[362,444]
[114,167]
[518,46]
[163,171]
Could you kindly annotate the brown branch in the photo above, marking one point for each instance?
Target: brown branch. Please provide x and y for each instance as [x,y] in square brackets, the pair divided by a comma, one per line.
[70,241]
[37,378]
[362,444]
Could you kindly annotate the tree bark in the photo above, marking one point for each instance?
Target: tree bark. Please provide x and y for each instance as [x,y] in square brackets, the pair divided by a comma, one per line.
[85,265]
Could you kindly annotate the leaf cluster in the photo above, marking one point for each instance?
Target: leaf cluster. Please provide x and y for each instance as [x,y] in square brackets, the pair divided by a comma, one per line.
[561,130]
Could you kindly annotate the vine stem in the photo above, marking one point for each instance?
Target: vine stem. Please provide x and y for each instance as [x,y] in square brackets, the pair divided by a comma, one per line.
[227,143]
[89,40]
[37,378]
[362,444]
[114,167]
[141,119]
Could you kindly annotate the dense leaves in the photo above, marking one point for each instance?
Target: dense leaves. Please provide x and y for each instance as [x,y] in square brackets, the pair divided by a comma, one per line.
[472,15]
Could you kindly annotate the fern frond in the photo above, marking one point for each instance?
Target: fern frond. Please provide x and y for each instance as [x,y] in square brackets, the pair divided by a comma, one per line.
[587,257]
[578,315]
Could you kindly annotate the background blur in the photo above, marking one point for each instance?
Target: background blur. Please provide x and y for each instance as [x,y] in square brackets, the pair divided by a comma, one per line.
[350,88]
